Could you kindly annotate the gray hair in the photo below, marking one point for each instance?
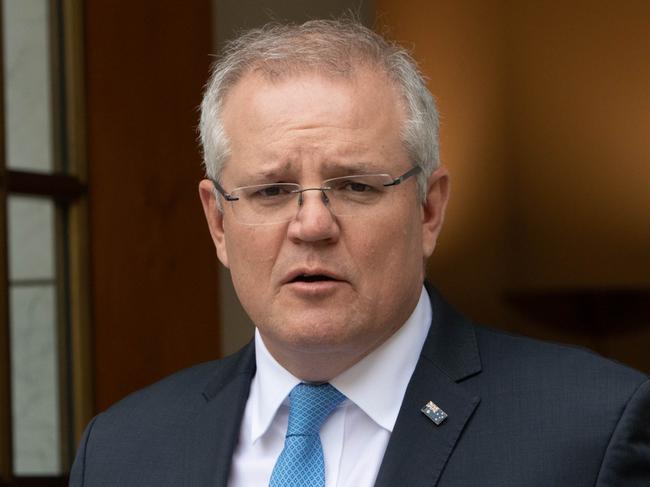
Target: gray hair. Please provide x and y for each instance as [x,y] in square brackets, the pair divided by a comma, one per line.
[330,47]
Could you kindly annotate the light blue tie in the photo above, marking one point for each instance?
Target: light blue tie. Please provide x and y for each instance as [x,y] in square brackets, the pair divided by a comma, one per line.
[301,462]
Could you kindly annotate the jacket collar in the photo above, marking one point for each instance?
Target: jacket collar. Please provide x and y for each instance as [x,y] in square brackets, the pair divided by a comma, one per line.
[451,343]
[214,432]
[418,449]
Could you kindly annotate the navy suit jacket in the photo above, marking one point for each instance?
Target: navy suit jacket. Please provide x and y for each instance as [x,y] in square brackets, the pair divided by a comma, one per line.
[520,413]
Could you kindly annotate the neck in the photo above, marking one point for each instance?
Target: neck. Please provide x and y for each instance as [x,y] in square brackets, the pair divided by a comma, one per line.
[316,368]
[321,364]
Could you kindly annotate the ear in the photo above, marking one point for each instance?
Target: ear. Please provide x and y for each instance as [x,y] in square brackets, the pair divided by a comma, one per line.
[214,216]
[433,209]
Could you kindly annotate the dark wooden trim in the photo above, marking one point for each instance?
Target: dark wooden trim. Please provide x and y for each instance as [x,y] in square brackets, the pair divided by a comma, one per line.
[61,187]
[80,364]
[588,311]
[61,481]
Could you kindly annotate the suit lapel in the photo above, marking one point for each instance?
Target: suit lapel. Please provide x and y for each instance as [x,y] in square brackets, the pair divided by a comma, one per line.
[214,432]
[418,449]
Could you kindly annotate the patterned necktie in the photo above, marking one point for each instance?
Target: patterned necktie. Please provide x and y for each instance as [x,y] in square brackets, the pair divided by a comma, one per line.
[301,462]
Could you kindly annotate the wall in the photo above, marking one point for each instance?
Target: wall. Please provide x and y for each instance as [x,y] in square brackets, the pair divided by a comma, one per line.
[544,128]
[580,99]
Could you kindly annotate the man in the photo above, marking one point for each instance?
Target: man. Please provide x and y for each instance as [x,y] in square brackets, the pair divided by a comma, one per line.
[324,198]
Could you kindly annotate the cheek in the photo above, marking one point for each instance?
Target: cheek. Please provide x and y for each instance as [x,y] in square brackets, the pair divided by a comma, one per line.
[252,249]
[408,256]
[390,245]
[252,253]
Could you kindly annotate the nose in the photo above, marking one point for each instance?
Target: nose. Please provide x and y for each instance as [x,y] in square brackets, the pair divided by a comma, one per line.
[314,222]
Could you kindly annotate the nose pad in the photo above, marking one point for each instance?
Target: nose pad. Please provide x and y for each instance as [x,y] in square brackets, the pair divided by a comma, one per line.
[324,198]
[315,212]
[314,221]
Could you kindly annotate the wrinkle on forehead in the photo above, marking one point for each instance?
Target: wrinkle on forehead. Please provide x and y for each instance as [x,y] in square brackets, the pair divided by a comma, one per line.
[312,121]
[276,170]
[355,83]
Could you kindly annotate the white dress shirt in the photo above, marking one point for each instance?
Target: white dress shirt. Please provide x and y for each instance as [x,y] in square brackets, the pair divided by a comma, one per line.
[355,436]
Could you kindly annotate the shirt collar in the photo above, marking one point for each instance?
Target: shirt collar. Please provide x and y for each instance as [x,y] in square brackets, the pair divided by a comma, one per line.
[372,384]
[270,387]
[378,379]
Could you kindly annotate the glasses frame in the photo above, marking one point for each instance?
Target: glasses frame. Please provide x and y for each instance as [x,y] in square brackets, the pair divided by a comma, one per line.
[398,180]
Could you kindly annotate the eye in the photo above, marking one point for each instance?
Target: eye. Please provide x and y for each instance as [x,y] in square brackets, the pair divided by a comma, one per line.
[355,185]
[357,189]
[269,192]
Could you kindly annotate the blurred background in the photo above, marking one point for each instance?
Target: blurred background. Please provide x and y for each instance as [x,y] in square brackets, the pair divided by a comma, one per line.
[108,277]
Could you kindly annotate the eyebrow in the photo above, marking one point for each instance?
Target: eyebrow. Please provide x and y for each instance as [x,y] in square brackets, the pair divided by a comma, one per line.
[273,171]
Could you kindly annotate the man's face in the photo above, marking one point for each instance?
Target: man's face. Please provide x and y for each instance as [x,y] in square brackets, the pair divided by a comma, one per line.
[303,130]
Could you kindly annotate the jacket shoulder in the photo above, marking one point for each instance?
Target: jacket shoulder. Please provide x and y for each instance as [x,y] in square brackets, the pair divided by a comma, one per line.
[153,425]
[181,390]
[535,358]
[562,415]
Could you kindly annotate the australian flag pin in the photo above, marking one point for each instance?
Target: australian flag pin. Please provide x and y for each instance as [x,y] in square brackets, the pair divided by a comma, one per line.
[434,413]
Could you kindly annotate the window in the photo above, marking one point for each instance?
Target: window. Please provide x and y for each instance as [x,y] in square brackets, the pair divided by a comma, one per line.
[44,393]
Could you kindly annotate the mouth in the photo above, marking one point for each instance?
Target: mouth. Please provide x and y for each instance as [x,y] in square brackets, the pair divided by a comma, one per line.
[311,276]
[313,283]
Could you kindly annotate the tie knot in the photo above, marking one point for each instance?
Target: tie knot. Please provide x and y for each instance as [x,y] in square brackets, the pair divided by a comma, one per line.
[309,407]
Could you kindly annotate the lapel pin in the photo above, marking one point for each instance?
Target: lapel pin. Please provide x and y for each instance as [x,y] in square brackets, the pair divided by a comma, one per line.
[434,413]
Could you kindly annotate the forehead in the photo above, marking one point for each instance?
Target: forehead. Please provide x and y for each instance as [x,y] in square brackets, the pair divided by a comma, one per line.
[312,117]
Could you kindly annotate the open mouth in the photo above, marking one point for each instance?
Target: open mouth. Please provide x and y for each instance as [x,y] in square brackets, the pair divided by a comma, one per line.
[312,278]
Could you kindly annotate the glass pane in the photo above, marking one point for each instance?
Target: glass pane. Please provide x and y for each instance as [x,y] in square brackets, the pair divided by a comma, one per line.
[34,336]
[35,387]
[31,238]
[27,85]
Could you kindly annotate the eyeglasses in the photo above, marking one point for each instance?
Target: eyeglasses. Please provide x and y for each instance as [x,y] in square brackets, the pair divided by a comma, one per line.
[265,204]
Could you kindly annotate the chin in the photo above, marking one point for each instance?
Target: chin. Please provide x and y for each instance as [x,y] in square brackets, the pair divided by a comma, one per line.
[317,337]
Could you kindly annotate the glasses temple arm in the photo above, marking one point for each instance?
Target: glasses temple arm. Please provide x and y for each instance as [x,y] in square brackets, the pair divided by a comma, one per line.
[222,191]
[406,175]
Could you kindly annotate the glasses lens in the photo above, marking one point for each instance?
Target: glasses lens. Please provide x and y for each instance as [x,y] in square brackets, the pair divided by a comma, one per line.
[355,194]
[274,203]
[265,203]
